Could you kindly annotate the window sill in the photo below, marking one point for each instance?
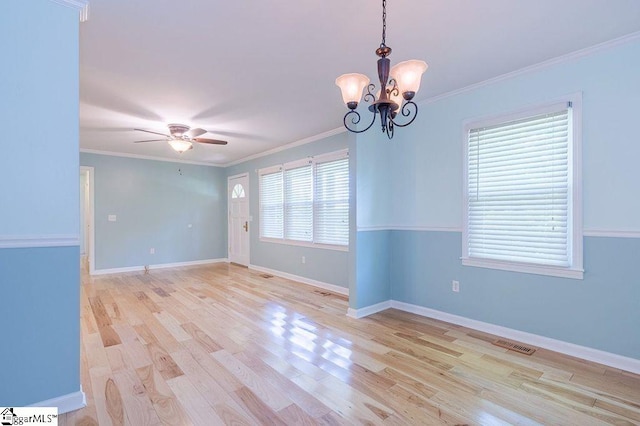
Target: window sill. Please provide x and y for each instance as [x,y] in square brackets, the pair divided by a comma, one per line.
[553,271]
[304,244]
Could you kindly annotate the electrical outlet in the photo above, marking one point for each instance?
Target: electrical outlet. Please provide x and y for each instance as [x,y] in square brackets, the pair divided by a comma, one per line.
[152,251]
[455,286]
[303,260]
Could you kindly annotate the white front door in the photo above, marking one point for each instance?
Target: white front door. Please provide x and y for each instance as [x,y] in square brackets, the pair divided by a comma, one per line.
[238,196]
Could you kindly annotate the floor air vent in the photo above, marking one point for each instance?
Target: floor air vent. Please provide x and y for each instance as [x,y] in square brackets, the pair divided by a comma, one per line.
[266,275]
[518,347]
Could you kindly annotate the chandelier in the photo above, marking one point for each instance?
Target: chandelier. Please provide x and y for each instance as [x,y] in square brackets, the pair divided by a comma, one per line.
[399,86]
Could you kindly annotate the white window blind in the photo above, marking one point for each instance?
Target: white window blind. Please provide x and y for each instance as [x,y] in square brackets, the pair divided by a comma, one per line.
[307,202]
[271,202]
[331,213]
[298,203]
[519,190]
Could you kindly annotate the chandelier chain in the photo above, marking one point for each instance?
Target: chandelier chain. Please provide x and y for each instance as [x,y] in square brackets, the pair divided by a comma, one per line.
[384,24]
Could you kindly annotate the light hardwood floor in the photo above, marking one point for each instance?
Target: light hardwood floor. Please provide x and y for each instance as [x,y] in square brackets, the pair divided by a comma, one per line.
[222,345]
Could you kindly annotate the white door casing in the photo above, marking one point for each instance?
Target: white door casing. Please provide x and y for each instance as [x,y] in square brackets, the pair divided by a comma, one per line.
[239,219]
[88,220]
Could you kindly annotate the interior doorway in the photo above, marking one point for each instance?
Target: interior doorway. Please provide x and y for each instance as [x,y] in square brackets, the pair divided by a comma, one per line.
[87,233]
[239,219]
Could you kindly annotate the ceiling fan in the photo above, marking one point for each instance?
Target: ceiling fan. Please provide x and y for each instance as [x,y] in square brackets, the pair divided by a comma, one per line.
[181,137]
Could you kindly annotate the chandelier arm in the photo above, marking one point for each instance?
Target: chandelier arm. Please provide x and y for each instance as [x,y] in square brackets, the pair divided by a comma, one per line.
[409,109]
[389,128]
[395,90]
[369,96]
[355,119]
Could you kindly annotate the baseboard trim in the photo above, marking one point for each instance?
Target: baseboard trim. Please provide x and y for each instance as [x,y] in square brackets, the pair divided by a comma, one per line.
[368,310]
[158,266]
[304,280]
[595,355]
[65,403]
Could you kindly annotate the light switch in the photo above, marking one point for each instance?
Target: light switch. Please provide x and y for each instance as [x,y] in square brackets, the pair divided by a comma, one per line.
[112,218]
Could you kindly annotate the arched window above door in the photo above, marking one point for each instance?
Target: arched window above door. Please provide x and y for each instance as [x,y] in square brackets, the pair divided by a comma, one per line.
[238,191]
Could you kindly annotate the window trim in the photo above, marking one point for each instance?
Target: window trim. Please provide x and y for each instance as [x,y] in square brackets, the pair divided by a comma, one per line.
[575,270]
[321,158]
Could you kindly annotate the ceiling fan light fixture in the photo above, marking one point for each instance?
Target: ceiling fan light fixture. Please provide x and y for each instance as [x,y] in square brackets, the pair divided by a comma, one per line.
[178,130]
[180,145]
[181,137]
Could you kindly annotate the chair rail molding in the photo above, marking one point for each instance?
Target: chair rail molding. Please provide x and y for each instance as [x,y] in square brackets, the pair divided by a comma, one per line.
[33,241]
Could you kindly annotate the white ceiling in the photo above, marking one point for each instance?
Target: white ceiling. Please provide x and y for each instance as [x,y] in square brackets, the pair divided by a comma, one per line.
[260,74]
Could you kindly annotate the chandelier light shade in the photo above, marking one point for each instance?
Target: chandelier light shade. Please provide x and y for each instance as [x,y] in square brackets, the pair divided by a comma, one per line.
[180,145]
[408,74]
[398,86]
[351,86]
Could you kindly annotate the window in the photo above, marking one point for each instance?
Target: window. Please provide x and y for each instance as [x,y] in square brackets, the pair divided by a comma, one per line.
[331,207]
[271,203]
[238,191]
[307,201]
[298,202]
[522,192]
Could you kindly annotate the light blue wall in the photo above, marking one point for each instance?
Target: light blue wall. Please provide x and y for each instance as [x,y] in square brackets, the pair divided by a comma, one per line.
[374,178]
[600,311]
[425,193]
[328,266]
[427,156]
[41,318]
[39,44]
[373,269]
[40,315]
[369,281]
[154,203]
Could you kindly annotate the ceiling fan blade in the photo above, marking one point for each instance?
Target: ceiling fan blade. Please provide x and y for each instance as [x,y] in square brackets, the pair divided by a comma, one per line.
[150,140]
[155,133]
[210,141]
[194,133]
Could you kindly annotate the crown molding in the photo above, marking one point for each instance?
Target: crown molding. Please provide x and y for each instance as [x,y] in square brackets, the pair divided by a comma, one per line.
[147,157]
[629,38]
[304,141]
[82,6]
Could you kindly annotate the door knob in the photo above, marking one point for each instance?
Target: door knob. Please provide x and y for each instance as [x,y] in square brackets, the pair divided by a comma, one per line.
[246,226]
